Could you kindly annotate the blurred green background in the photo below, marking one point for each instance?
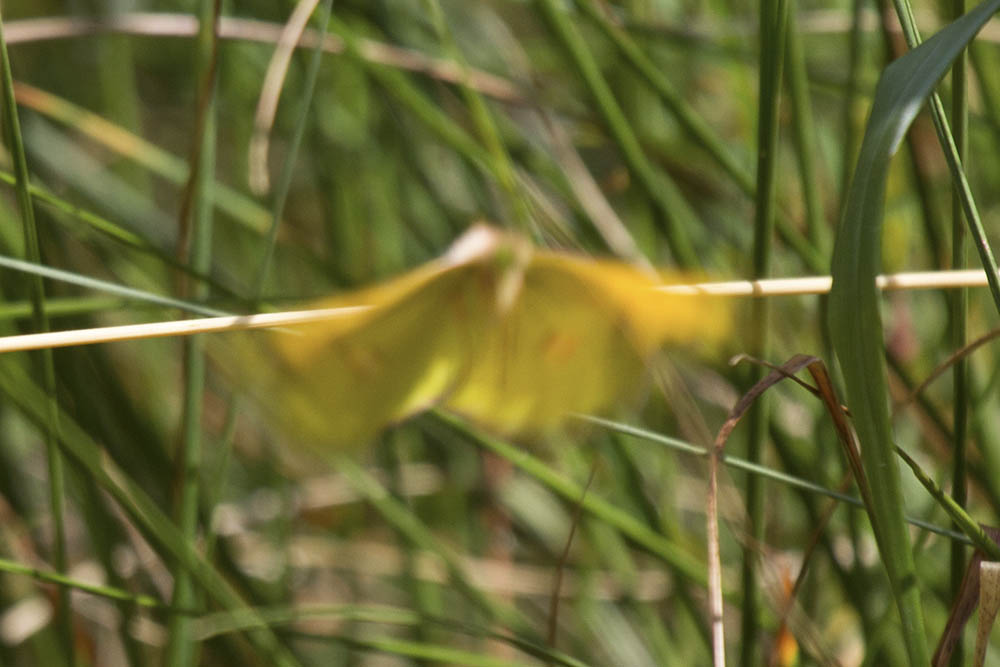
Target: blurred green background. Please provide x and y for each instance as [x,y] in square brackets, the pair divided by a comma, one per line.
[625,129]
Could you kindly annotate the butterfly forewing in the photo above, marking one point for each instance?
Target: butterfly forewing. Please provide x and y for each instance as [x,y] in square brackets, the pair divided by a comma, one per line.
[338,382]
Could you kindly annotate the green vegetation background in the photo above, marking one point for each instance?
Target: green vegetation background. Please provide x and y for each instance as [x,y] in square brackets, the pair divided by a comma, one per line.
[629,129]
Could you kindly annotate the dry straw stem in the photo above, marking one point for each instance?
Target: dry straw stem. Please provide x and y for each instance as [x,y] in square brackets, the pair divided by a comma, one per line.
[267,104]
[186,25]
[821,284]
[755,288]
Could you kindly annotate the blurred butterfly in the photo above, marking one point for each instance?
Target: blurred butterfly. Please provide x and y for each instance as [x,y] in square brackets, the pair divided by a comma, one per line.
[509,336]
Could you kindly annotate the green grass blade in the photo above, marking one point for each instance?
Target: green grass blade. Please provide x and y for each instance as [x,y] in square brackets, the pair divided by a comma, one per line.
[693,124]
[698,129]
[958,514]
[109,229]
[96,284]
[56,472]
[26,395]
[682,562]
[409,95]
[59,156]
[962,190]
[958,303]
[423,652]
[486,126]
[410,525]
[61,307]
[181,649]
[219,623]
[737,463]
[773,35]
[854,318]
[670,203]
[119,92]
[804,129]
[851,95]
[241,208]
[109,592]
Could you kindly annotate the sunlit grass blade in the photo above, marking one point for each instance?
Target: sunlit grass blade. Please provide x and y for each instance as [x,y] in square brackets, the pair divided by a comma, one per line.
[240,207]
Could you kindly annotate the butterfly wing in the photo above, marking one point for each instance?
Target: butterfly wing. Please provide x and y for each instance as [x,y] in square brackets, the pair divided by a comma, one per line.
[514,339]
[338,382]
[652,318]
[576,339]
[557,349]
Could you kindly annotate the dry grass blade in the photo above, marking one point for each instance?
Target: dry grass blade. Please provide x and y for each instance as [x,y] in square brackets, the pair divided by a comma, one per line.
[845,432]
[270,93]
[715,602]
[785,371]
[789,602]
[162,329]
[952,359]
[185,25]
[989,604]
[782,370]
[589,194]
[553,628]
[821,284]
[823,389]
[963,606]
[757,288]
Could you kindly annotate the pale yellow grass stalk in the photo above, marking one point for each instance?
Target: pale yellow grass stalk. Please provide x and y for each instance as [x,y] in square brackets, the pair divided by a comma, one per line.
[755,288]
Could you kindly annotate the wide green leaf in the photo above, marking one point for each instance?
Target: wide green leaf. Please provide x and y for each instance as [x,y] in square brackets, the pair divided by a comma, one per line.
[855,322]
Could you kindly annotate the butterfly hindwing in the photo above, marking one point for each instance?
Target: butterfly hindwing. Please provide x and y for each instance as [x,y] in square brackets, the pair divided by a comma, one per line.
[559,348]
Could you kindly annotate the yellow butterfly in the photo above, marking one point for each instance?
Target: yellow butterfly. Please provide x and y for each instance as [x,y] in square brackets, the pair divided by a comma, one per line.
[511,337]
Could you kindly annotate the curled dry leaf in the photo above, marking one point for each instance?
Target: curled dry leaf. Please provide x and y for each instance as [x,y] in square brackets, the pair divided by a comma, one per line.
[964,604]
[989,604]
